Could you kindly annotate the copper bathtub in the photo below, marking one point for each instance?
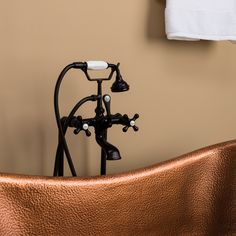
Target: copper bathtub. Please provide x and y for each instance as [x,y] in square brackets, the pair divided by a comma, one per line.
[194,194]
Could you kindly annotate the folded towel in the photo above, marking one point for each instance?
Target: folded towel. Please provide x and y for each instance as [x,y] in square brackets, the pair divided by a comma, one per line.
[201,19]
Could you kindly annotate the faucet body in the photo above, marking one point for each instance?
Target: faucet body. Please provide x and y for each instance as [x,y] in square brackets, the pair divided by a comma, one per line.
[101,122]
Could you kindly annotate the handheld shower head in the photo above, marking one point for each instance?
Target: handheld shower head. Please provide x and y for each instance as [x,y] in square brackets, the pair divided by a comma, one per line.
[119,85]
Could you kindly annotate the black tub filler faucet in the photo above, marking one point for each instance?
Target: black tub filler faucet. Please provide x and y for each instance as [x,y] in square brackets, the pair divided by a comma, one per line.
[101,122]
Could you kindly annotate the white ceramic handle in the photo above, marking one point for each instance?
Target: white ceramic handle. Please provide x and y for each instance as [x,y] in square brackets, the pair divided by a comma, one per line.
[96,65]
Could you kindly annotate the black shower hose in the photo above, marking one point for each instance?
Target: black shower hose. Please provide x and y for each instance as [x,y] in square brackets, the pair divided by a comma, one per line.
[62,139]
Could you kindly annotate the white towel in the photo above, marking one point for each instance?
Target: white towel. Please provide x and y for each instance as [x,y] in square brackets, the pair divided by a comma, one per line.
[201,19]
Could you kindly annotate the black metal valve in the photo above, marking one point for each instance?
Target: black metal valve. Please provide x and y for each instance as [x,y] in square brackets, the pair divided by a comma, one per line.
[131,123]
[80,125]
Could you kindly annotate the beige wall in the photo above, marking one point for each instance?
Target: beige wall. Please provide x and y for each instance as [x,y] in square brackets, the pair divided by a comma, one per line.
[184,91]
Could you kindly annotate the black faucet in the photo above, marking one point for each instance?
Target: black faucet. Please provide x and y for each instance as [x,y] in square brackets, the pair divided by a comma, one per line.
[101,122]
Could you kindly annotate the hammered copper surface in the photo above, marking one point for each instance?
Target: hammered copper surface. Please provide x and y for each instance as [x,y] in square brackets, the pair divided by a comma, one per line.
[194,194]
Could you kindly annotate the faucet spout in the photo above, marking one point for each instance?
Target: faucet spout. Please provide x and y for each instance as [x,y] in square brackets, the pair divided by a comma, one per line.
[111,151]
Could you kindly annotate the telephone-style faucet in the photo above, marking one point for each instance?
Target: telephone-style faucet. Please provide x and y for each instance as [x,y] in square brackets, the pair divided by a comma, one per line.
[101,122]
